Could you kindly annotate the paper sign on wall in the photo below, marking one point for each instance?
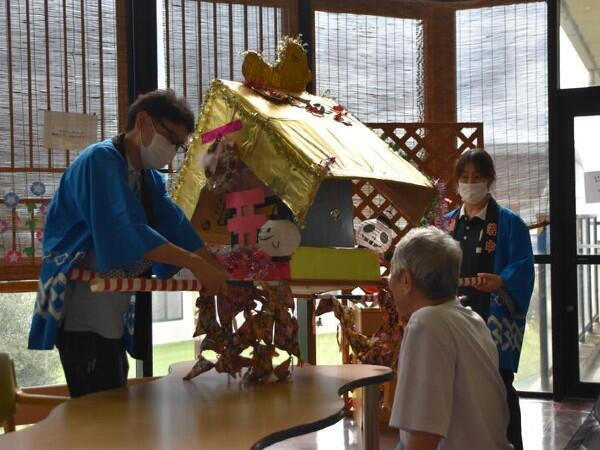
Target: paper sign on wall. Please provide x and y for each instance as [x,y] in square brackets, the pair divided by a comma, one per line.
[69,131]
[592,187]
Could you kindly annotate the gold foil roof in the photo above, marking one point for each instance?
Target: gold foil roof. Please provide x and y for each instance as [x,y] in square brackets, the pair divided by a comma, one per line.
[288,148]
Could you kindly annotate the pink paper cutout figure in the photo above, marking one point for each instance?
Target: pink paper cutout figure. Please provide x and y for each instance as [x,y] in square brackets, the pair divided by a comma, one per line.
[13,257]
[246,223]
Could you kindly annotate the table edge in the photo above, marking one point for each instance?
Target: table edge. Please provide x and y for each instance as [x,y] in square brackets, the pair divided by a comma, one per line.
[317,425]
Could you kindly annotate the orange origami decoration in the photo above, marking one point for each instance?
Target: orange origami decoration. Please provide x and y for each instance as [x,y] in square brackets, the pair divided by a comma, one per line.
[268,327]
[384,346]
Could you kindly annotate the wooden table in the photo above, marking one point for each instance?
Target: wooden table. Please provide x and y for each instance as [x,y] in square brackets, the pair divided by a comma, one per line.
[212,411]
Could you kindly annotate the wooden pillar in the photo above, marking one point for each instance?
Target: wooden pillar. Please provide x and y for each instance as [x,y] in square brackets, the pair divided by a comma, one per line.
[305,311]
[306,27]
[122,63]
[439,55]
[136,23]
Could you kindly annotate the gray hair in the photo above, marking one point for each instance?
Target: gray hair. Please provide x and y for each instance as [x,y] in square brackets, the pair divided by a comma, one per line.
[433,258]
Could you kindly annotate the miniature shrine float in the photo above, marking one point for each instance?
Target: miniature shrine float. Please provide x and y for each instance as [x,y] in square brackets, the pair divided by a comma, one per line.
[268,183]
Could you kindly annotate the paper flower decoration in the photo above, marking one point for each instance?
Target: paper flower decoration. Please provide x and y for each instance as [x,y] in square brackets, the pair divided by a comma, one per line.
[3,225]
[13,257]
[39,234]
[11,200]
[38,188]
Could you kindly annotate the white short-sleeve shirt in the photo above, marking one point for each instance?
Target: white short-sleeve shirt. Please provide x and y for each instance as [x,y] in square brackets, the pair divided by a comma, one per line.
[448,380]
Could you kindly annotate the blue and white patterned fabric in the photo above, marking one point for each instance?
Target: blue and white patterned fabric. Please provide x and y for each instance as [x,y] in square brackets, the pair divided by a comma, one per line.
[513,261]
[94,209]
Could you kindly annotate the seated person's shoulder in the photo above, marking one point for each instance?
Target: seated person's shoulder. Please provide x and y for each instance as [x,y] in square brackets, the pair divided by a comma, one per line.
[431,318]
[447,319]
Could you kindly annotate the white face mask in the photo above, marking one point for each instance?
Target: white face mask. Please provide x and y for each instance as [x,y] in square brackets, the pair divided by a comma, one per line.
[159,153]
[473,192]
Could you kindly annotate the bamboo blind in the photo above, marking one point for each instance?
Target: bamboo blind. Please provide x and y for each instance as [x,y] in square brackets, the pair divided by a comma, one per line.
[204,40]
[451,62]
[371,64]
[55,55]
[502,81]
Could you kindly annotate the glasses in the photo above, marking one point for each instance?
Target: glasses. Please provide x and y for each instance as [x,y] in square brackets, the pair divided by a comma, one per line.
[180,147]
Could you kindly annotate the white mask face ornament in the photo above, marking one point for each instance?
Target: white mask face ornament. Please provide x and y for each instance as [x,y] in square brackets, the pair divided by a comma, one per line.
[375,235]
[278,238]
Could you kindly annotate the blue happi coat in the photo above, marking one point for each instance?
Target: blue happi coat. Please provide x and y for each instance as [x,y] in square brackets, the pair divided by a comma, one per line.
[94,209]
[513,262]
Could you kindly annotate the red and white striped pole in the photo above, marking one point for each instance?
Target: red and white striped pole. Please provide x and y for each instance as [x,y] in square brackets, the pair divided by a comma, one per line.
[98,284]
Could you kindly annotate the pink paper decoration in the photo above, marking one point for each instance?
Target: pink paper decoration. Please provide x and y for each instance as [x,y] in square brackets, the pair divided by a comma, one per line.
[246,223]
[217,133]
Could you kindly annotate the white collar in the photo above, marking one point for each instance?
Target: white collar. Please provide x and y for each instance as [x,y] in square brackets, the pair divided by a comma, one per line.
[481,214]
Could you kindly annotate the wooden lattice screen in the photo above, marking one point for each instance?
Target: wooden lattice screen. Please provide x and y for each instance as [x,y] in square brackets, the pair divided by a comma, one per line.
[433,148]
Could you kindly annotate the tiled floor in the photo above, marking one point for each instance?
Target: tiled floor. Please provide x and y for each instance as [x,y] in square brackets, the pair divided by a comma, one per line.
[546,426]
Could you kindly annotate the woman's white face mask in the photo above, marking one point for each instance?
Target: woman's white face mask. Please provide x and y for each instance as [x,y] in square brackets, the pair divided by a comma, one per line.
[473,192]
[158,153]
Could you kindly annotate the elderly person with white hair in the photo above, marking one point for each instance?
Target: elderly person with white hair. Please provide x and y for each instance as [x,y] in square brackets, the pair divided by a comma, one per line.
[449,393]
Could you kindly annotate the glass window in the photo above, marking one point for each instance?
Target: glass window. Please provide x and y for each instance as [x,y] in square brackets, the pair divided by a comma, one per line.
[328,350]
[579,44]
[32,367]
[587,183]
[535,366]
[588,326]
[167,306]
[172,329]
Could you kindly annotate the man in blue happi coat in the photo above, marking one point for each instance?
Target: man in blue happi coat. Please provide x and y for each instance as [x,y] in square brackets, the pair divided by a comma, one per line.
[111,214]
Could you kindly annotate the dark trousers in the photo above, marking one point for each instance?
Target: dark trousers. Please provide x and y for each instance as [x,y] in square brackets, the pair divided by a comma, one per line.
[512,398]
[91,362]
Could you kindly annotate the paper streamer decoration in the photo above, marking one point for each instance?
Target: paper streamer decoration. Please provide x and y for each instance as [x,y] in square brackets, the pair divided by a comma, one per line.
[219,132]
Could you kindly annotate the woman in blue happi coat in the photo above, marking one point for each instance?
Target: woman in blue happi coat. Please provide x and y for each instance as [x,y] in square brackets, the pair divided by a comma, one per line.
[497,255]
[111,214]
